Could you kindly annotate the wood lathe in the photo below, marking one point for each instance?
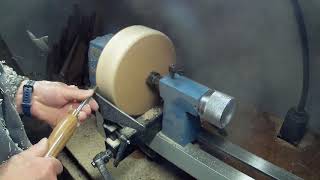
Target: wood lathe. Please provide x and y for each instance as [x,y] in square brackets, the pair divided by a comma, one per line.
[146,101]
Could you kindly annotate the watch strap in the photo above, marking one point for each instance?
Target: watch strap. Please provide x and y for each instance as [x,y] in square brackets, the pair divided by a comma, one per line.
[27,97]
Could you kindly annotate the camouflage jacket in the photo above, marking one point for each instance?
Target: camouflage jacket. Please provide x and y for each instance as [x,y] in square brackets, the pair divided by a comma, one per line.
[13,138]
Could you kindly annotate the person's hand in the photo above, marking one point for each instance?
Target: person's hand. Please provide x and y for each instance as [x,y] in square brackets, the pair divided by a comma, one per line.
[31,165]
[51,101]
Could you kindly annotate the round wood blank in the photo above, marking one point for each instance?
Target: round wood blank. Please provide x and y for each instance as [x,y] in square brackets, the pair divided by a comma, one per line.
[126,62]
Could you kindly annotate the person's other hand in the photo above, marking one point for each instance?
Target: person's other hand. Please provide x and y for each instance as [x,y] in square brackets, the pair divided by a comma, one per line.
[51,101]
[30,164]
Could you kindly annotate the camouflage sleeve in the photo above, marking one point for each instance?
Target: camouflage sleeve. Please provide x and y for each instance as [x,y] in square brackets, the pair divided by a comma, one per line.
[11,81]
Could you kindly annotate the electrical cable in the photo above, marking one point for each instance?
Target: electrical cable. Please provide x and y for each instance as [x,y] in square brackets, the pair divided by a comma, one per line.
[294,125]
[305,54]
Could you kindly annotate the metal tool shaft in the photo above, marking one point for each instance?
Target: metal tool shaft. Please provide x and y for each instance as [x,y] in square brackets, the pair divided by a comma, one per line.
[82,104]
[79,108]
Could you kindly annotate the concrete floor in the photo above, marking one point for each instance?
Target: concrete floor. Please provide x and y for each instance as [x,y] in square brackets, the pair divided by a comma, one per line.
[257,132]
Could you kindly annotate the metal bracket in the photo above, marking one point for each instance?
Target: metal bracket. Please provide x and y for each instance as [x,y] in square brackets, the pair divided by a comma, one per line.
[100,160]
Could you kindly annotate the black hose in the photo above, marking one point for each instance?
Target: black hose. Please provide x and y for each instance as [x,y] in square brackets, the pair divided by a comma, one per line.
[305,54]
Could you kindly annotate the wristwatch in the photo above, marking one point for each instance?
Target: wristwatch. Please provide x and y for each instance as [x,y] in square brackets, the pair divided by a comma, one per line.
[27,97]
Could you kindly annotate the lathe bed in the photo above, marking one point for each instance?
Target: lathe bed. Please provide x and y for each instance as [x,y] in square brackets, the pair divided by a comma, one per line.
[258,135]
[221,148]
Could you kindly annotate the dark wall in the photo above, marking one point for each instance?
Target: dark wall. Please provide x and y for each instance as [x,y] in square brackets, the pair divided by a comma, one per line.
[40,17]
[247,48]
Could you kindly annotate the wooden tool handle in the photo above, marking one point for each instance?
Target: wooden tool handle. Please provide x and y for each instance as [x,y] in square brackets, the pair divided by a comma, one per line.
[61,135]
